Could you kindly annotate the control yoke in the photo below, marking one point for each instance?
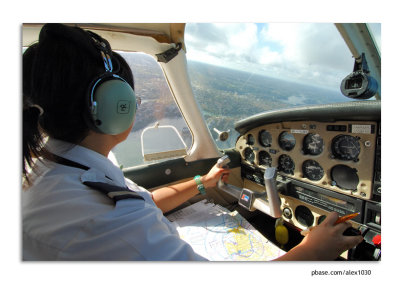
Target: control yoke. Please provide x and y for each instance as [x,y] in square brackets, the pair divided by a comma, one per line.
[252,200]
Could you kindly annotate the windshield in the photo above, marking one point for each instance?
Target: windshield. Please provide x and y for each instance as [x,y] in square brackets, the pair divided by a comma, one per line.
[241,69]
[375,30]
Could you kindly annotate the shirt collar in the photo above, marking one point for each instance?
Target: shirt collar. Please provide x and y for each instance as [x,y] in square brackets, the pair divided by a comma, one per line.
[90,158]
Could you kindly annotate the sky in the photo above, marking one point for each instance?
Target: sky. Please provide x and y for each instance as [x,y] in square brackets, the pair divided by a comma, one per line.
[299,52]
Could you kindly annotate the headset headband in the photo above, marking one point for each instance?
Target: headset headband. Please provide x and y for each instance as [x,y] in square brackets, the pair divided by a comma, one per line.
[101,45]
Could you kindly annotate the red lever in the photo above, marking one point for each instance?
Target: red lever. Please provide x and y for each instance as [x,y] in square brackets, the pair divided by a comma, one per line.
[377,241]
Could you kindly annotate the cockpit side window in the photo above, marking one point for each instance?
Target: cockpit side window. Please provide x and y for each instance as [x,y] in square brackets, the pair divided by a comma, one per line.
[157,106]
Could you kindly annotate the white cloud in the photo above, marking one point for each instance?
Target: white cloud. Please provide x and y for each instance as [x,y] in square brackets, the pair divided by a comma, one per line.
[221,40]
[268,57]
[303,52]
[285,34]
[242,38]
[307,43]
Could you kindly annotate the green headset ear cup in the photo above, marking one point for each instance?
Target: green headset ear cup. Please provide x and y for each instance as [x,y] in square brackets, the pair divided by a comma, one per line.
[115,107]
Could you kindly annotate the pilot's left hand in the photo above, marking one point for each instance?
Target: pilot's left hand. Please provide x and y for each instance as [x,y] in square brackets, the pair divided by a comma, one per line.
[212,177]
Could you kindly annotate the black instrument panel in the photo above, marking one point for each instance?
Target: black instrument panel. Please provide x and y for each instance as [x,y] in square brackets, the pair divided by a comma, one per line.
[338,156]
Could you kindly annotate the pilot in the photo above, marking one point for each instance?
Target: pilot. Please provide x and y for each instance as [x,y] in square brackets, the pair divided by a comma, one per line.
[76,204]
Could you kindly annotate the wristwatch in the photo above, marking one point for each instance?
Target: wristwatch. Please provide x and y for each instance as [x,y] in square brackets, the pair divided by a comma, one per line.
[200,185]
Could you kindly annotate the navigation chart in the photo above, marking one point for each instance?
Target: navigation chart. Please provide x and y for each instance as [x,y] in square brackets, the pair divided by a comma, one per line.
[220,235]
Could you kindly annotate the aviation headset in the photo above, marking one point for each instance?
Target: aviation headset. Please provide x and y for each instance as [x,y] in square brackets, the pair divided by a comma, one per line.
[111,100]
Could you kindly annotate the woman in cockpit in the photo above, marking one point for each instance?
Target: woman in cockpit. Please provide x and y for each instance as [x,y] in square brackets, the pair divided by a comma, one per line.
[76,204]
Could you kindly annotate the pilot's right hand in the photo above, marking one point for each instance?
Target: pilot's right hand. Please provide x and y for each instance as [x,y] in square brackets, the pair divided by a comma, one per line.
[326,241]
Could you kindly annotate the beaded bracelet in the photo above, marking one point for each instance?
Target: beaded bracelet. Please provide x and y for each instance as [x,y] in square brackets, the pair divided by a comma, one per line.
[200,185]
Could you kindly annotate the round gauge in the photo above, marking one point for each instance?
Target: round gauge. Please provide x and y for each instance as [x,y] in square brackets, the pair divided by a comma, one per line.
[313,144]
[286,164]
[265,138]
[264,158]
[345,177]
[312,170]
[287,141]
[249,155]
[346,147]
[304,215]
[250,139]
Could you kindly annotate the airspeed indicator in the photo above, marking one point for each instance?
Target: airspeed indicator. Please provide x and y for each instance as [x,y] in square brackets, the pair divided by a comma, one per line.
[249,155]
[265,138]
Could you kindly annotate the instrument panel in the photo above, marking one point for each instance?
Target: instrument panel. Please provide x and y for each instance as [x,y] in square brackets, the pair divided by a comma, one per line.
[337,156]
[328,159]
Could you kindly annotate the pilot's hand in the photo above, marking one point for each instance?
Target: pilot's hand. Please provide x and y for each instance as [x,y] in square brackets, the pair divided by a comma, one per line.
[326,241]
[212,177]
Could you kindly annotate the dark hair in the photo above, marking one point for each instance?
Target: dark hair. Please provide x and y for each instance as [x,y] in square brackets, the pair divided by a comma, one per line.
[57,73]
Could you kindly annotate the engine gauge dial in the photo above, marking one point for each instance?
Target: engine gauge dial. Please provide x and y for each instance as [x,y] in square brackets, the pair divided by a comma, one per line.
[249,155]
[312,170]
[286,164]
[313,144]
[287,141]
[264,158]
[250,139]
[265,138]
[346,147]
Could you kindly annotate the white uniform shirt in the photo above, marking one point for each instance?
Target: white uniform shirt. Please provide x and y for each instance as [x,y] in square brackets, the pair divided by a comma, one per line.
[62,219]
